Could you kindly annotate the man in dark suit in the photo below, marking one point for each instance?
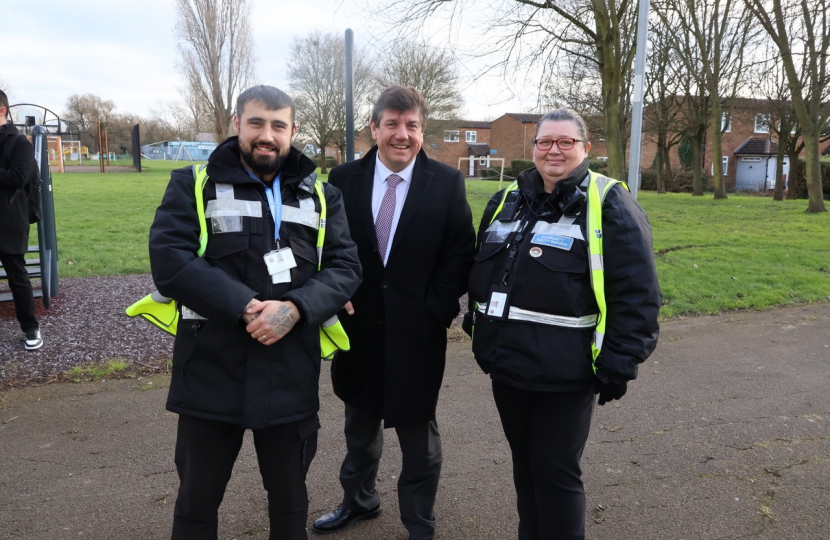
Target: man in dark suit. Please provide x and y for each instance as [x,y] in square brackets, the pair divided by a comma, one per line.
[413,228]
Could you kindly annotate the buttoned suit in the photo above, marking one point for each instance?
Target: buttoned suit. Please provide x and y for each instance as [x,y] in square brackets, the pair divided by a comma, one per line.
[394,369]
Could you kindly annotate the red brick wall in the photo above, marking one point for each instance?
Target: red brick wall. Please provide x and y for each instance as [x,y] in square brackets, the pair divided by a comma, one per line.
[512,139]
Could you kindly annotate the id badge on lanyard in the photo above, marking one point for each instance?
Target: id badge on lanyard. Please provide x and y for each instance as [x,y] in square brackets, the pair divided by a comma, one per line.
[279,261]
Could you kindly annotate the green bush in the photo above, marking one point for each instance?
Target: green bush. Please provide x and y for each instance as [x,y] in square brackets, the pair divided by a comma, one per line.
[598,165]
[801,174]
[683,180]
[330,161]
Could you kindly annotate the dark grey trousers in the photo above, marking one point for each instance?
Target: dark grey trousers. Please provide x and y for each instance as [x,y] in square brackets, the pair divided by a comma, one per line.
[418,481]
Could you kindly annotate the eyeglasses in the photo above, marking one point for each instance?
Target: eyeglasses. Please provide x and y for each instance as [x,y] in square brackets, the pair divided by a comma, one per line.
[563,144]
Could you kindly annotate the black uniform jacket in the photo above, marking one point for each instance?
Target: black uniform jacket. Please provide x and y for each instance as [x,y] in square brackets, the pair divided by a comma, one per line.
[556,280]
[14,204]
[402,311]
[219,371]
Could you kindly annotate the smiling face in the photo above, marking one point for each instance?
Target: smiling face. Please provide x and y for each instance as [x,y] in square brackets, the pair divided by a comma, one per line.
[264,138]
[399,136]
[555,164]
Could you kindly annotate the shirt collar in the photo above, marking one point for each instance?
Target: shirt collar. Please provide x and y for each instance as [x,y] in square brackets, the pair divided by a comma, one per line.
[383,172]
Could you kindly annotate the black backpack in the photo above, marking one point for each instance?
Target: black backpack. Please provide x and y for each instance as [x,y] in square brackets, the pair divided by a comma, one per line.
[33,186]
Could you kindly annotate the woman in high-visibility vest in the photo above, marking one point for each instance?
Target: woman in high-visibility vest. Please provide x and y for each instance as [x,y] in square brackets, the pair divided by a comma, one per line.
[563,304]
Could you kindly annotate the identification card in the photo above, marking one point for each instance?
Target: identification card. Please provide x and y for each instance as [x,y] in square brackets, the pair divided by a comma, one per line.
[281,277]
[553,240]
[279,261]
[498,303]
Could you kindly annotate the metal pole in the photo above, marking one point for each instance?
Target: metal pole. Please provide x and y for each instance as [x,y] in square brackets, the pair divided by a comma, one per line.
[47,236]
[637,111]
[349,96]
[100,149]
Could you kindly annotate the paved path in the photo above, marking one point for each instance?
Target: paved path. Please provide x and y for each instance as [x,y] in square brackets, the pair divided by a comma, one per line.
[726,434]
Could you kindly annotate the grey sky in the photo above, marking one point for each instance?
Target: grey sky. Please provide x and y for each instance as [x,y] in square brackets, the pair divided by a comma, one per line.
[125,51]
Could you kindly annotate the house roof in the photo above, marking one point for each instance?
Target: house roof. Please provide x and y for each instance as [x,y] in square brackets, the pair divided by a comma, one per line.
[525,118]
[477,124]
[479,149]
[757,145]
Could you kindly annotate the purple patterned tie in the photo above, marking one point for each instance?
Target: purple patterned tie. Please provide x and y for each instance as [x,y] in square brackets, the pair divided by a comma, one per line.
[383,225]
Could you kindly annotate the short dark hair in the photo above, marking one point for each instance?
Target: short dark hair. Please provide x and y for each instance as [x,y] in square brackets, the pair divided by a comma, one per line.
[4,100]
[273,98]
[400,99]
[565,115]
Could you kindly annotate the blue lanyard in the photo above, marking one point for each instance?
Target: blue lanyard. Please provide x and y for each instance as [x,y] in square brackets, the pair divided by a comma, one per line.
[274,197]
[274,201]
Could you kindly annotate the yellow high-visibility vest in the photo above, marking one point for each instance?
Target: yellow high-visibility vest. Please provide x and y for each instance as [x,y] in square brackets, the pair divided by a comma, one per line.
[598,187]
[164,312]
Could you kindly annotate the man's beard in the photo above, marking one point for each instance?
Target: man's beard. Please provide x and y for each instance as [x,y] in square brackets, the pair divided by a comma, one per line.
[262,166]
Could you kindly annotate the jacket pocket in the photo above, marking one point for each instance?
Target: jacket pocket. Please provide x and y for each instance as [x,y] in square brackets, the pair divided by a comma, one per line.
[222,245]
[305,254]
[561,261]
[185,344]
[228,252]
[555,281]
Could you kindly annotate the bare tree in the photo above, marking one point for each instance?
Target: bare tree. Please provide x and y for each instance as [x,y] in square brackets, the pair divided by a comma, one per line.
[664,108]
[88,109]
[169,121]
[217,57]
[712,36]
[317,76]
[801,31]
[429,70]
[769,81]
[534,31]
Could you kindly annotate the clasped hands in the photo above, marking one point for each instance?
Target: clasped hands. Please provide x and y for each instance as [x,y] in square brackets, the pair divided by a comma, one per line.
[269,321]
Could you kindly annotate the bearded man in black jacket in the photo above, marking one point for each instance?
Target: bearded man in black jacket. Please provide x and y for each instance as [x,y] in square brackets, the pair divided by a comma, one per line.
[247,352]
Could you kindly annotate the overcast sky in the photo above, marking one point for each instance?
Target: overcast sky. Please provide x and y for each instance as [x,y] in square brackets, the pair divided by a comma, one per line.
[124,50]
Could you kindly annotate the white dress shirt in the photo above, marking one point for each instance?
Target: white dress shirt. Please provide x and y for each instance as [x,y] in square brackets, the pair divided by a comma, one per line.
[379,190]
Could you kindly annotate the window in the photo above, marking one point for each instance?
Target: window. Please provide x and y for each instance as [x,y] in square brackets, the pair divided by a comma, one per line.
[470,136]
[482,160]
[602,158]
[451,136]
[753,159]
[761,123]
[725,169]
[725,123]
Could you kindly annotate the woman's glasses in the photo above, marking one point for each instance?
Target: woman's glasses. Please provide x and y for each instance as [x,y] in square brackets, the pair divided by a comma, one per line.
[563,144]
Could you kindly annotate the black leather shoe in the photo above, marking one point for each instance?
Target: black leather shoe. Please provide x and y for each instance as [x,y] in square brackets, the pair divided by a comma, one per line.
[341,518]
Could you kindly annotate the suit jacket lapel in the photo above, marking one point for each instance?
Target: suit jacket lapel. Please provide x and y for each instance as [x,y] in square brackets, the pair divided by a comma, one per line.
[421,179]
[364,182]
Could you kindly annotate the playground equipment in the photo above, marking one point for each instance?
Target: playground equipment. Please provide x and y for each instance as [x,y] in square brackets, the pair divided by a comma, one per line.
[45,267]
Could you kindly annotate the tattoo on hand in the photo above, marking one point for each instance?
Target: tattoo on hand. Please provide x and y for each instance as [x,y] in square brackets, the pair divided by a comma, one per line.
[282,321]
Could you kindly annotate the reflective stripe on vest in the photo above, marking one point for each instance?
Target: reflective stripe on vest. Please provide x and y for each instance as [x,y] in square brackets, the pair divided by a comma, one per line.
[597,189]
[305,215]
[519,314]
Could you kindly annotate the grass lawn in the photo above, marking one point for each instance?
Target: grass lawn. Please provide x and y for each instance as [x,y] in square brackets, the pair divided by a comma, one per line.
[743,252]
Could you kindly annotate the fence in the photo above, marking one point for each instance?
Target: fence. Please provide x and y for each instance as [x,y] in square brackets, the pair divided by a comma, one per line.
[110,147]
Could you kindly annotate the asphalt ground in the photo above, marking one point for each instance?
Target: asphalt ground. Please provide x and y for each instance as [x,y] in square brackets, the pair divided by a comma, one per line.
[726,434]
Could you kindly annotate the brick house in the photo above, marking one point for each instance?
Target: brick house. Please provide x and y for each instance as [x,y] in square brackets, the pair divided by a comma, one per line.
[449,141]
[512,135]
[748,145]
